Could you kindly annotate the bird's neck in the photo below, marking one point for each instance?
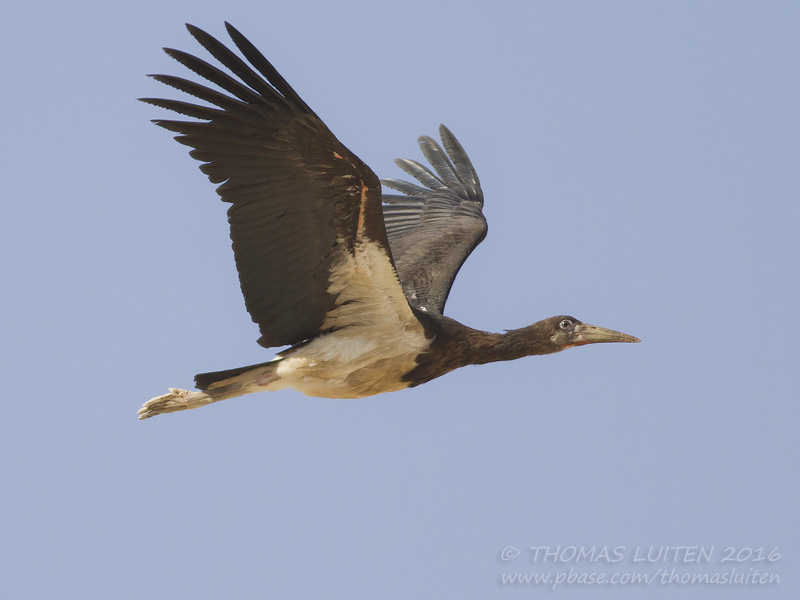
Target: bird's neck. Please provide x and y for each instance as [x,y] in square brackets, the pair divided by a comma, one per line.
[513,344]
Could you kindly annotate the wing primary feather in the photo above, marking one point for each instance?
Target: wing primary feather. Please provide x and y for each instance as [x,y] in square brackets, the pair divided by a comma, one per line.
[301,203]
[441,164]
[466,172]
[186,108]
[433,228]
[217,76]
[258,60]
[421,173]
[202,92]
[403,186]
[237,66]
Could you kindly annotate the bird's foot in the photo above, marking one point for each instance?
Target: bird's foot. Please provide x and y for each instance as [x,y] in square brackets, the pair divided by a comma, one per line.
[174,401]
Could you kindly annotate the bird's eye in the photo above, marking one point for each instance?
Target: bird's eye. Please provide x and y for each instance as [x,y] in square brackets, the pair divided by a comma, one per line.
[565,324]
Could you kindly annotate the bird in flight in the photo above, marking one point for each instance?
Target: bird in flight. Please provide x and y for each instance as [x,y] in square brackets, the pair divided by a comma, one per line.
[355,282]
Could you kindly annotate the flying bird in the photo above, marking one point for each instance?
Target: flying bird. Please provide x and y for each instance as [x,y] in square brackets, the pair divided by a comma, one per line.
[355,282]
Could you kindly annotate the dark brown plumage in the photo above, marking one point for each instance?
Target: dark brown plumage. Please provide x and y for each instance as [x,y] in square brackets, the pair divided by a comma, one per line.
[357,288]
[266,143]
[434,228]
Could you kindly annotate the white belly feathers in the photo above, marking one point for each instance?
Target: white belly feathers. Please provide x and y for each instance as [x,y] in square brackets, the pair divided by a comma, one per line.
[376,336]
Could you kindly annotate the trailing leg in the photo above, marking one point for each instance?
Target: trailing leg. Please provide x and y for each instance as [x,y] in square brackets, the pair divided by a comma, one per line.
[243,381]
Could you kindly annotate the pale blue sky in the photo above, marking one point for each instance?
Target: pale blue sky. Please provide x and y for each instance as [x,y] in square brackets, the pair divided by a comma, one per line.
[640,166]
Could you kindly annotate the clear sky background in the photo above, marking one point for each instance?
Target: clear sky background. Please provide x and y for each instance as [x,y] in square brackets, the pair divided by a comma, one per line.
[640,166]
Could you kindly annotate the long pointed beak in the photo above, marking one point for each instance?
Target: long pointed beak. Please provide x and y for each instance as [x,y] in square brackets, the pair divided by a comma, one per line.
[591,334]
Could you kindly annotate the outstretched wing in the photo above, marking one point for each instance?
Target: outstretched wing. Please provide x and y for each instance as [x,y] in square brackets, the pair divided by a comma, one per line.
[305,209]
[433,229]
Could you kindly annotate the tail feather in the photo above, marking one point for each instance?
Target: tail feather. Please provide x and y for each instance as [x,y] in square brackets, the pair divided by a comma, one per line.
[203,380]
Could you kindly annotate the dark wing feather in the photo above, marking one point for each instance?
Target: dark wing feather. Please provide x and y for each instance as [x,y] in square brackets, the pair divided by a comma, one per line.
[299,199]
[433,229]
